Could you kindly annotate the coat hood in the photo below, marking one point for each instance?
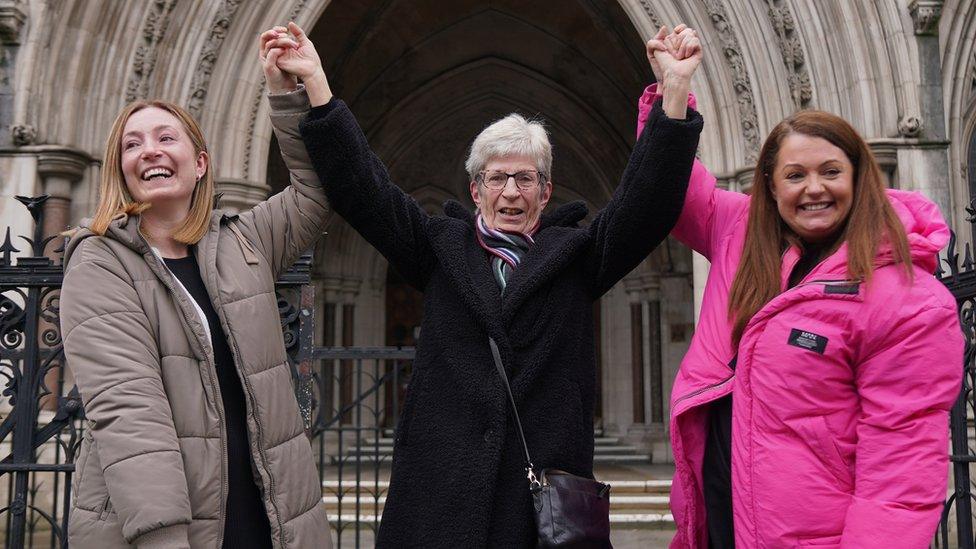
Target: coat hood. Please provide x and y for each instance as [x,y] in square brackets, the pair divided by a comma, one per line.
[925,228]
[123,228]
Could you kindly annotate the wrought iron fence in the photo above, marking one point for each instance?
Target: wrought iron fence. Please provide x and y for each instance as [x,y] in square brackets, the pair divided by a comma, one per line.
[350,399]
[359,392]
[959,276]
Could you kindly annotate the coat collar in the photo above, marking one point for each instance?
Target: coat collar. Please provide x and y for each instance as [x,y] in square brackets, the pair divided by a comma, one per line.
[557,243]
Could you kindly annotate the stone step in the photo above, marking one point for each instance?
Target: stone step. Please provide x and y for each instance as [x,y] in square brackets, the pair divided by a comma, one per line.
[628,503]
[388,441]
[622,459]
[622,487]
[383,449]
[621,520]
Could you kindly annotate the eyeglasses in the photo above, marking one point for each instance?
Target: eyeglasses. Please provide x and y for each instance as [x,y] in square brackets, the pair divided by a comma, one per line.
[496,179]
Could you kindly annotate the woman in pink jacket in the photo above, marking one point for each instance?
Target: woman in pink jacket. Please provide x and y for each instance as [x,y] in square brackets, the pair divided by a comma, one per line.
[812,406]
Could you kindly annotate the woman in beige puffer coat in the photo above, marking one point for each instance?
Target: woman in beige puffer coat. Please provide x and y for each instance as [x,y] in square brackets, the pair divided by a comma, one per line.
[153,467]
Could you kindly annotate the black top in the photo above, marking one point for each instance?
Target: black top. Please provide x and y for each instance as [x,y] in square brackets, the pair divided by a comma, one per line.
[717,474]
[246,524]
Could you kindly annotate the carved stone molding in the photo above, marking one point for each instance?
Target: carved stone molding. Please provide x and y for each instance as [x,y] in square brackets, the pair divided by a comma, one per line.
[153,28]
[60,168]
[791,49]
[649,10]
[256,101]
[909,126]
[208,56]
[748,118]
[23,135]
[925,16]
[12,18]
[240,194]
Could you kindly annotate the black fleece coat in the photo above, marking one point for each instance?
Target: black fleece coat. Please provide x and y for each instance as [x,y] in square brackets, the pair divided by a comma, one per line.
[458,471]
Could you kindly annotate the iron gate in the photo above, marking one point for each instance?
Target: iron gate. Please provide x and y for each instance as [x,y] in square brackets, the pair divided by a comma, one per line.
[350,399]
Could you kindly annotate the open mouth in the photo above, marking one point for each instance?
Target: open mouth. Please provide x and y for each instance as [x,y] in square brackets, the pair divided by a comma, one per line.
[156,173]
[510,211]
[816,206]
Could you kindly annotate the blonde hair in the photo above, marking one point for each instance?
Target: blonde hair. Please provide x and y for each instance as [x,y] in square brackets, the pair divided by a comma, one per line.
[113,195]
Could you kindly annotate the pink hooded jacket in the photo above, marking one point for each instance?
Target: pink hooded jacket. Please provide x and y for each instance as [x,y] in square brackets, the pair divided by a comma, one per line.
[839,419]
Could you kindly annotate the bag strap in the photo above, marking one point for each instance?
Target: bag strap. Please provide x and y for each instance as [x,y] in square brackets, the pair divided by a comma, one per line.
[497,356]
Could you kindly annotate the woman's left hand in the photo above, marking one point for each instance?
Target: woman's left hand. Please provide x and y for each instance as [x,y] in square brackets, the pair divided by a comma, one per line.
[279,81]
[294,54]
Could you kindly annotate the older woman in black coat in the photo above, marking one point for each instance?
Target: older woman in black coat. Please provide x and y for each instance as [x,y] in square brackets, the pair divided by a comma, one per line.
[512,273]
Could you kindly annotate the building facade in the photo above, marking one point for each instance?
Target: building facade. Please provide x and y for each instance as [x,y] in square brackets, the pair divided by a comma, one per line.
[424,76]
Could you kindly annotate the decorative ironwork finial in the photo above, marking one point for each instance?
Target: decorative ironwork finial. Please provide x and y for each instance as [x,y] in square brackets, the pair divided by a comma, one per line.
[971,210]
[6,249]
[34,204]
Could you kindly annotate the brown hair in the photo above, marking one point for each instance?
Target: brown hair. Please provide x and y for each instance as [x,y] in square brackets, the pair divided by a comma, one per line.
[871,217]
[113,195]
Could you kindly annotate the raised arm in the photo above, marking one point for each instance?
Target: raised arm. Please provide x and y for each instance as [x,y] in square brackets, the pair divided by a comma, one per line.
[355,180]
[111,350]
[708,210]
[287,224]
[648,200]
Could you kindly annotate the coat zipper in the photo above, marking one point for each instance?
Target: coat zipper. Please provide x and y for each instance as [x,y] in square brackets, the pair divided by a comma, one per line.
[250,405]
[211,373]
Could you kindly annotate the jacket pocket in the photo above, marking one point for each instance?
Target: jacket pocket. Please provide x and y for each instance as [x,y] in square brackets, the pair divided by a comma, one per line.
[818,437]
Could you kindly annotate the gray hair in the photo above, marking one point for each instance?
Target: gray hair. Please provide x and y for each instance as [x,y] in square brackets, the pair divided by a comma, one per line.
[512,135]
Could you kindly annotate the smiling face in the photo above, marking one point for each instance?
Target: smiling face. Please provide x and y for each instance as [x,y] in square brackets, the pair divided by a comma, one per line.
[159,162]
[813,186]
[511,209]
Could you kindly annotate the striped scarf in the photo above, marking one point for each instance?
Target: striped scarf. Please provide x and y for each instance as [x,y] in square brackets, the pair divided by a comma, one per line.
[506,249]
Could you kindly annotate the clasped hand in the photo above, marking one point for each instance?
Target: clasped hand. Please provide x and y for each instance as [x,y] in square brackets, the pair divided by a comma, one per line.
[674,55]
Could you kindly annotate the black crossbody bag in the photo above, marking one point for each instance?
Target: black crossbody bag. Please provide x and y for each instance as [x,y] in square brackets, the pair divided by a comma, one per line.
[569,511]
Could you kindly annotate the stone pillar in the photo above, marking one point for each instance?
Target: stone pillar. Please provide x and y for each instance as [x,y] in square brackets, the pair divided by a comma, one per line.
[923,163]
[12,18]
[240,194]
[646,373]
[60,170]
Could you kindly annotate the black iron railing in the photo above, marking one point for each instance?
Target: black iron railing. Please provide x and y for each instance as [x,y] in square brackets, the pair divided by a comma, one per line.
[959,276]
[350,398]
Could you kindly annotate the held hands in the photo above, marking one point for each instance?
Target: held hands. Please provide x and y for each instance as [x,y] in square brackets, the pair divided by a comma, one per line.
[674,54]
[674,57]
[288,55]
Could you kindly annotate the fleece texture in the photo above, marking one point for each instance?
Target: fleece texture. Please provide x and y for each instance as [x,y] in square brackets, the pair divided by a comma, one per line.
[458,475]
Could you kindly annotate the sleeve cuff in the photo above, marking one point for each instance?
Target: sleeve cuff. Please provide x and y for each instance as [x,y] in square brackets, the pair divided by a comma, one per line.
[295,101]
[652,93]
[322,111]
[167,537]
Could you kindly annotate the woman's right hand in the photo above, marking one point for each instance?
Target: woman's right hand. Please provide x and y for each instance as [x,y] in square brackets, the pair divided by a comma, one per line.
[296,55]
[674,57]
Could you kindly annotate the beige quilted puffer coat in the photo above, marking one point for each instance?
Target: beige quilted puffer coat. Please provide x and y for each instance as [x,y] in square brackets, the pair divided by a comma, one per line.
[152,467]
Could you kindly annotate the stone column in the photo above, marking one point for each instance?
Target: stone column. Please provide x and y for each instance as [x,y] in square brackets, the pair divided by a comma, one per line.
[12,18]
[646,368]
[240,194]
[60,170]
[923,163]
